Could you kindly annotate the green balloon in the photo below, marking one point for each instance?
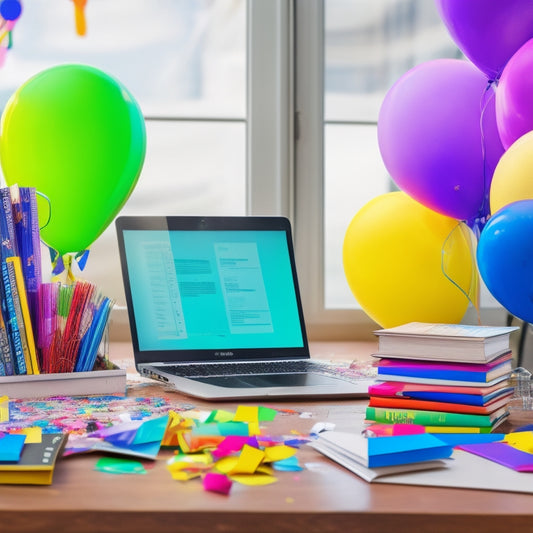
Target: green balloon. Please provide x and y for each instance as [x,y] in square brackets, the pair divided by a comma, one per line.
[78,136]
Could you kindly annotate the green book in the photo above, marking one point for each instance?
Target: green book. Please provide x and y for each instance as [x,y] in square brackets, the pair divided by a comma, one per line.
[385,415]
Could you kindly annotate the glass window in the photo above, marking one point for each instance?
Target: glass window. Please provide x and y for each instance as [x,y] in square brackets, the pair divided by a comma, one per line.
[368,46]
[185,63]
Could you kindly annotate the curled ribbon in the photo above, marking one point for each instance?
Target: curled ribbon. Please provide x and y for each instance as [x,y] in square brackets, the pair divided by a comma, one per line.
[63,263]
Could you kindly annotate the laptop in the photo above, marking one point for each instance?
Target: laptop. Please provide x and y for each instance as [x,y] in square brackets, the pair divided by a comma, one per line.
[214,309]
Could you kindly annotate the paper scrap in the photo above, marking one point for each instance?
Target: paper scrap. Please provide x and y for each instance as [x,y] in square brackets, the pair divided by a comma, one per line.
[290,464]
[4,409]
[115,465]
[278,453]
[214,482]
[247,413]
[249,459]
[522,440]
[503,454]
[253,479]
[151,430]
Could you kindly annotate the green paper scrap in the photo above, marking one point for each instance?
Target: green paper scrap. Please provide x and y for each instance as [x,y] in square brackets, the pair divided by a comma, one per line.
[266,414]
[151,430]
[116,465]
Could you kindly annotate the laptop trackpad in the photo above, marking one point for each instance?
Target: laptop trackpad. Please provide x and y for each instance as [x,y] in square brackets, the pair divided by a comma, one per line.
[266,380]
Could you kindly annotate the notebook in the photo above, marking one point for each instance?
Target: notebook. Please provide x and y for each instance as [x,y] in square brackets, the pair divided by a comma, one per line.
[214,308]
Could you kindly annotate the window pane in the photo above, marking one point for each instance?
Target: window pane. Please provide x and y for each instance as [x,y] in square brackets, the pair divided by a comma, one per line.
[355,175]
[177,57]
[368,46]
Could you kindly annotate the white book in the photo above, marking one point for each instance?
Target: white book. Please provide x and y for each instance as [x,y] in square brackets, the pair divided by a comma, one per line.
[452,342]
[64,384]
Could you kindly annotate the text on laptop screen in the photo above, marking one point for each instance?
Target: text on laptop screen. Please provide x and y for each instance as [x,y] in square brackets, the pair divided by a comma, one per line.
[212,289]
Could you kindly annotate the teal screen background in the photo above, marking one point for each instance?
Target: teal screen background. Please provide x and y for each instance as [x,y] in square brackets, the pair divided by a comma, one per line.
[188,263]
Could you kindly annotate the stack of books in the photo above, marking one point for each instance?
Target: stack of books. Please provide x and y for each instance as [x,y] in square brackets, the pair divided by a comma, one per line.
[446,377]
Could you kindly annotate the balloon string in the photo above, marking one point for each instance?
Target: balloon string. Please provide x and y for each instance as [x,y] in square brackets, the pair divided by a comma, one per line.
[484,211]
[49,208]
[474,280]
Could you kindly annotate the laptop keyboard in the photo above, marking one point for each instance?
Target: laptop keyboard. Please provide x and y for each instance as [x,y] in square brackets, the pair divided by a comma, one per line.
[241,368]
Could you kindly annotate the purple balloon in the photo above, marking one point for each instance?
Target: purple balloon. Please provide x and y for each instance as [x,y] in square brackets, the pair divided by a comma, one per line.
[488,32]
[514,104]
[438,137]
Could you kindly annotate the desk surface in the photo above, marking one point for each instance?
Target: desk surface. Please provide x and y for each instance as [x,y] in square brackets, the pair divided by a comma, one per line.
[323,497]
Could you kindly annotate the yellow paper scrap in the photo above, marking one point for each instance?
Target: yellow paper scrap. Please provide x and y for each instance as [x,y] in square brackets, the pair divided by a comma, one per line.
[4,409]
[184,475]
[278,453]
[183,467]
[253,429]
[226,464]
[521,440]
[253,479]
[34,434]
[176,424]
[247,413]
[249,459]
[264,469]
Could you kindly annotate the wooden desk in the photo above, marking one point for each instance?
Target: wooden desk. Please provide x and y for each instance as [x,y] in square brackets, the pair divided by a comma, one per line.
[323,498]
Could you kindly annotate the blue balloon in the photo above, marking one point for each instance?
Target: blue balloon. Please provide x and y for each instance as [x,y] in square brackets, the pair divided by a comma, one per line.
[505,258]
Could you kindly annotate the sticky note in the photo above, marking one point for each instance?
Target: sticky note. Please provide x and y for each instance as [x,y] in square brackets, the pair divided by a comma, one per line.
[11,447]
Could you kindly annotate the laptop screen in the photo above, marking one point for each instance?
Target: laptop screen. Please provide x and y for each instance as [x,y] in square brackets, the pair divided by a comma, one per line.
[210,287]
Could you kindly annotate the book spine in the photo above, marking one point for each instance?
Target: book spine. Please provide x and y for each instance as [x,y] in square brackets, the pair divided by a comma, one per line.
[425,418]
[26,329]
[455,375]
[401,403]
[28,238]
[5,348]
[7,227]
[12,323]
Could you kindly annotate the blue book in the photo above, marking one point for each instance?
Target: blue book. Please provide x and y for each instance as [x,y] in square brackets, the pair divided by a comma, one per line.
[453,397]
[8,248]
[477,373]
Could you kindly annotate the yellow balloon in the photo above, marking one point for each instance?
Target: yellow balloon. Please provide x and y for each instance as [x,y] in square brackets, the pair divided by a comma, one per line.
[404,262]
[512,179]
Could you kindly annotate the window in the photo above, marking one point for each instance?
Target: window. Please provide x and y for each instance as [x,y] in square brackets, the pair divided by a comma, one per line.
[348,54]
[185,63]
[251,106]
